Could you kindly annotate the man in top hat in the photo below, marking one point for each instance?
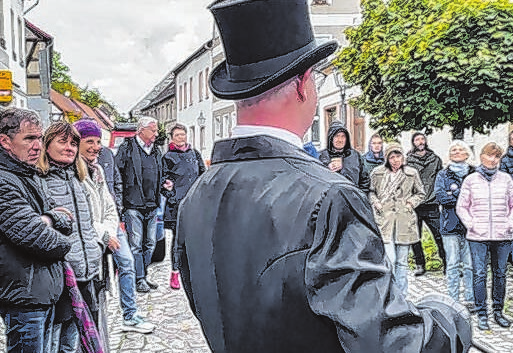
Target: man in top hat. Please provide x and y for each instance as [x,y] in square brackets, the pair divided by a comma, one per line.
[287,257]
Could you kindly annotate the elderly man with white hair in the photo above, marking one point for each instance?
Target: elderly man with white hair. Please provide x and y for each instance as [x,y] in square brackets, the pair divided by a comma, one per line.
[140,165]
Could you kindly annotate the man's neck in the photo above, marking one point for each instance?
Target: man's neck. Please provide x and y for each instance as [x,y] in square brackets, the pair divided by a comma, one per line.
[421,153]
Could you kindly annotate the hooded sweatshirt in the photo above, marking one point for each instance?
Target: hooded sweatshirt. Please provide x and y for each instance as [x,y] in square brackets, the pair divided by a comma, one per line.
[428,167]
[370,160]
[353,166]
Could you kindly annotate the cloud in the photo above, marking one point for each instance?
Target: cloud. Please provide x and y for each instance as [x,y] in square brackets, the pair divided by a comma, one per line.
[123,48]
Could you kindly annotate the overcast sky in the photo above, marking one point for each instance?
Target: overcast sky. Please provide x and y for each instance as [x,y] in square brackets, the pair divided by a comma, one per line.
[123,47]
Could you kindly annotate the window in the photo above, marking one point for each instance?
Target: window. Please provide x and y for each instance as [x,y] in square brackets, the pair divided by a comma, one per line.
[192,137]
[13,35]
[190,94]
[206,83]
[316,135]
[202,138]
[184,95]
[200,86]
[321,2]
[20,42]
[218,126]
[2,29]
[180,93]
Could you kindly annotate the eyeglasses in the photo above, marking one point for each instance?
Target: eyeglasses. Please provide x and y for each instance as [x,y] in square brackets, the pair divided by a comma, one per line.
[319,77]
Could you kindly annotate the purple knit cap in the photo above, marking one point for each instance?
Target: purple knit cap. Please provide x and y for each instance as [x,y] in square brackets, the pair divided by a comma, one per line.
[88,128]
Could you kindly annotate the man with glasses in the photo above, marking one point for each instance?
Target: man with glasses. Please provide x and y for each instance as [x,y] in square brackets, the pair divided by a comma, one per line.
[140,165]
[279,253]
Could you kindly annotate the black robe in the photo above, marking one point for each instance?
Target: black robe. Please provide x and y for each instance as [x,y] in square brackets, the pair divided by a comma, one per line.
[282,255]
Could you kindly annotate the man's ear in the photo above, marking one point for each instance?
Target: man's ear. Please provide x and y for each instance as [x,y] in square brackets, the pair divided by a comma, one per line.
[5,142]
[301,85]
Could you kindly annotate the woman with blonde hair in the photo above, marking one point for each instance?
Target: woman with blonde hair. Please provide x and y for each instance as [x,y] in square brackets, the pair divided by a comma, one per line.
[485,207]
[62,171]
[447,189]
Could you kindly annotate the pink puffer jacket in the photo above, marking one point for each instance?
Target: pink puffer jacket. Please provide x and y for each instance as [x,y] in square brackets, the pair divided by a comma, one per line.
[485,208]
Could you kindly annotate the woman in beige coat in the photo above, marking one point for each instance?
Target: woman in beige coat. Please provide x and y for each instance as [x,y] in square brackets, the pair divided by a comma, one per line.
[395,191]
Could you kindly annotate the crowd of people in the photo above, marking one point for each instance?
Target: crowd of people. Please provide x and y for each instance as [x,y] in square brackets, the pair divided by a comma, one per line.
[468,209]
[67,203]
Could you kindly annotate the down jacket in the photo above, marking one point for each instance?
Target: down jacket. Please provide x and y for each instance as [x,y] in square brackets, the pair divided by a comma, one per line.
[31,253]
[485,207]
[103,209]
[65,190]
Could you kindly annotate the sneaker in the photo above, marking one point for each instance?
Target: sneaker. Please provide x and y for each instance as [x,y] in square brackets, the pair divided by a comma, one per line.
[151,284]
[174,281]
[137,324]
[501,319]
[482,323]
[142,286]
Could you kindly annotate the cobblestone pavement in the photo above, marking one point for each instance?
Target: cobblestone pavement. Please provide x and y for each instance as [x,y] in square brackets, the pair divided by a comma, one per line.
[177,331]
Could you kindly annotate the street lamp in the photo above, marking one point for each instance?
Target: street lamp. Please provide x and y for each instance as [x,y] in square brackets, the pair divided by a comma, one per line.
[339,80]
[201,120]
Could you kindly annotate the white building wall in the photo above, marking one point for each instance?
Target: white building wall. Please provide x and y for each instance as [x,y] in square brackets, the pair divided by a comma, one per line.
[190,114]
[12,57]
[440,140]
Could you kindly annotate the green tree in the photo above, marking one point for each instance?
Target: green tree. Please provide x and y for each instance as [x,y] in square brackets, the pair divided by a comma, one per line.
[424,64]
[91,97]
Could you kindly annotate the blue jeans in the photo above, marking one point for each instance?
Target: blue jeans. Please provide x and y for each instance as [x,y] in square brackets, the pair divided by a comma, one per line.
[141,227]
[28,330]
[125,263]
[499,251]
[457,252]
[398,255]
[65,337]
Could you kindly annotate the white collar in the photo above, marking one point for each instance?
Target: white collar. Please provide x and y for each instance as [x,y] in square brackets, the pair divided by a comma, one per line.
[255,130]
[141,143]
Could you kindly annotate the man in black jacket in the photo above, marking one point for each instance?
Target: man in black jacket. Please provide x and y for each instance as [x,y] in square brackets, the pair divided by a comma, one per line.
[340,157]
[428,164]
[139,162]
[280,253]
[31,250]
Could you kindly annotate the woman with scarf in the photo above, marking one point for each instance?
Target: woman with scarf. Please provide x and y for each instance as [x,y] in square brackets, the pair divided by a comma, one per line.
[457,251]
[182,165]
[62,174]
[485,208]
[395,191]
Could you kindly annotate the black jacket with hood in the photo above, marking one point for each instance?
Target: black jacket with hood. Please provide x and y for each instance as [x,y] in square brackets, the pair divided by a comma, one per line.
[31,252]
[428,167]
[353,166]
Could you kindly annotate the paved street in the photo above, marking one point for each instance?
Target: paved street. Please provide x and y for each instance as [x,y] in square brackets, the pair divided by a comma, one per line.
[178,331]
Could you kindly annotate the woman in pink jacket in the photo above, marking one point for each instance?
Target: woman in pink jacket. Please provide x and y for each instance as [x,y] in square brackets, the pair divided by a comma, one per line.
[485,207]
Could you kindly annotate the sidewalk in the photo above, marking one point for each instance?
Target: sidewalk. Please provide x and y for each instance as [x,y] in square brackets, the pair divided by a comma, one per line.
[177,330]
[497,339]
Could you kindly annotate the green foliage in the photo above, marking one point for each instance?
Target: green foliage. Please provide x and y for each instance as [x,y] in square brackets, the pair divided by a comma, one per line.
[424,64]
[162,137]
[63,83]
[433,261]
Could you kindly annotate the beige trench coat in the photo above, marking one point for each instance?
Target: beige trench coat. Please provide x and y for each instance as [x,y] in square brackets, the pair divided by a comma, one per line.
[393,197]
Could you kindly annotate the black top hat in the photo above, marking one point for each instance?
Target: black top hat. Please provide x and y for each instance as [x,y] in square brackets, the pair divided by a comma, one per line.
[266,42]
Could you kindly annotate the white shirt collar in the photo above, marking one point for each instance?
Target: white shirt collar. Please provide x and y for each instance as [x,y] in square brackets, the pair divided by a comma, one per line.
[141,143]
[255,130]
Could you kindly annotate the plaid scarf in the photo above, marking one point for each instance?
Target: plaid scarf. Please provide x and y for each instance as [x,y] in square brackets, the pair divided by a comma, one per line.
[89,336]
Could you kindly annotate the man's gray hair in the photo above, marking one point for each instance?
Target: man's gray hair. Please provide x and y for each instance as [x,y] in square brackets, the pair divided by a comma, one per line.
[12,118]
[464,145]
[145,121]
[268,95]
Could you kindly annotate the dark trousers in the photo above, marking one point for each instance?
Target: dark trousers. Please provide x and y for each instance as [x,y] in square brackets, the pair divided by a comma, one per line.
[28,330]
[431,216]
[176,249]
[498,251]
